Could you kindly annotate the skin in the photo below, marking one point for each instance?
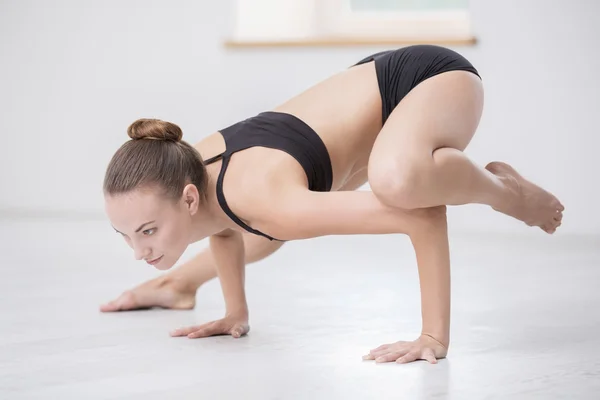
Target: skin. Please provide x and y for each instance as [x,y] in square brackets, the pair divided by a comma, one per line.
[414,164]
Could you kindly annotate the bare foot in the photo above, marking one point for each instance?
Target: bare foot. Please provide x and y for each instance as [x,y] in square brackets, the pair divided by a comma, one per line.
[532,204]
[159,292]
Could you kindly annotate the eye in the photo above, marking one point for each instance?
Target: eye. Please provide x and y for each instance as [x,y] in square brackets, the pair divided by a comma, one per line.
[147,231]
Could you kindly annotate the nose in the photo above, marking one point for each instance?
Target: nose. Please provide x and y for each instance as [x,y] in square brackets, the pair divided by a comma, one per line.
[141,252]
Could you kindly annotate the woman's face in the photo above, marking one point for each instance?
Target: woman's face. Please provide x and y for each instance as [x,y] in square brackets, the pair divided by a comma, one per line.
[156,228]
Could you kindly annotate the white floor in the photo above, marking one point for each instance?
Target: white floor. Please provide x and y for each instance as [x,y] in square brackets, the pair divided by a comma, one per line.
[525,325]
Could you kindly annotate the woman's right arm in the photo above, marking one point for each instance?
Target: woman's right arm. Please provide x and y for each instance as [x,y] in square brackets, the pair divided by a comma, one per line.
[225,254]
[227,249]
[228,252]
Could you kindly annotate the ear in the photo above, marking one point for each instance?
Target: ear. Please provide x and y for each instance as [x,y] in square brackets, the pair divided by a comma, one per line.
[191,198]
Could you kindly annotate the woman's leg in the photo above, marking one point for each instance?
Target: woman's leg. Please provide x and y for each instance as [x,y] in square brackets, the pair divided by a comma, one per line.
[417,160]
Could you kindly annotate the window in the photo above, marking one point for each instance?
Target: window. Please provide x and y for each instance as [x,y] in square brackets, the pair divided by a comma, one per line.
[351,21]
[409,19]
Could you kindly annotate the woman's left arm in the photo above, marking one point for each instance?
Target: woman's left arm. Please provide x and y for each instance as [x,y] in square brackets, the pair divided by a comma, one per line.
[302,214]
[360,212]
[433,260]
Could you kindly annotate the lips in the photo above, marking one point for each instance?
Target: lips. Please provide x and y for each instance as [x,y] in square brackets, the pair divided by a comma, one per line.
[155,261]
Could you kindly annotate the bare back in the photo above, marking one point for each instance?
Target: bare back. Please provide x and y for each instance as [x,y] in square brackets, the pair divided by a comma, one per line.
[344,110]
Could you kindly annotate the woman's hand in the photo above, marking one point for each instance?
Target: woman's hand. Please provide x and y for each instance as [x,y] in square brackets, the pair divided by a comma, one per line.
[424,348]
[234,325]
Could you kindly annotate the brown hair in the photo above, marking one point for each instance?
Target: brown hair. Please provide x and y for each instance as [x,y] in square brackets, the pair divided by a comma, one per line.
[164,161]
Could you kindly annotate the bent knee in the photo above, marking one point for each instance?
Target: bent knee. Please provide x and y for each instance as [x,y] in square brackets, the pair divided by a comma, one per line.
[398,183]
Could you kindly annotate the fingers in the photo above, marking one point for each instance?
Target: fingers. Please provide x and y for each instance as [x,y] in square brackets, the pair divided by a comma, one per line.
[392,356]
[381,350]
[384,349]
[387,353]
[409,357]
[211,329]
[185,331]
[373,354]
[401,354]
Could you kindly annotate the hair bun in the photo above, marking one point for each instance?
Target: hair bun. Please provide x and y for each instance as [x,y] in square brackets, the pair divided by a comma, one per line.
[154,129]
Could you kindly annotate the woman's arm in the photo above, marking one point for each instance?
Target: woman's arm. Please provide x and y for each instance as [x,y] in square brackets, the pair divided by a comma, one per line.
[303,214]
[228,251]
[309,214]
[229,254]
[433,259]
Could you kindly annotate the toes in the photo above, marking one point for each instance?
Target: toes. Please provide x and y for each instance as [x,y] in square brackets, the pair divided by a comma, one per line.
[556,221]
[551,227]
[124,302]
[109,307]
[557,205]
[558,216]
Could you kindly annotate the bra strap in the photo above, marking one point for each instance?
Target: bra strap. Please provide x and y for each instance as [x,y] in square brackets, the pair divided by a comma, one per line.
[213,159]
[223,202]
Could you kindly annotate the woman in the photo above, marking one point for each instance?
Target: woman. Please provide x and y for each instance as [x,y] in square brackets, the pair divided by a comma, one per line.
[397,119]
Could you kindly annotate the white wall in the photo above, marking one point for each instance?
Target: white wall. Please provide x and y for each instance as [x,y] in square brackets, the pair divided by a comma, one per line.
[74,74]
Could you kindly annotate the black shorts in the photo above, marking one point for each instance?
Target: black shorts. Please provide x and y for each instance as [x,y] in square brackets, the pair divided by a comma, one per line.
[399,71]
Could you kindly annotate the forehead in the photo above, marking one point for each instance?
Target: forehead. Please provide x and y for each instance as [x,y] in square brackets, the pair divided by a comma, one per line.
[134,208]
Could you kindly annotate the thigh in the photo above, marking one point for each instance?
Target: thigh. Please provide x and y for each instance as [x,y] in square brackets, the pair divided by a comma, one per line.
[442,111]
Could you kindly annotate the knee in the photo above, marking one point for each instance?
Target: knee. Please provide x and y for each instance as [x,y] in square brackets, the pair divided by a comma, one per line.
[398,183]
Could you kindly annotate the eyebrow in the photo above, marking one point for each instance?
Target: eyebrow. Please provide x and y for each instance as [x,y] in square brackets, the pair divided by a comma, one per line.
[138,229]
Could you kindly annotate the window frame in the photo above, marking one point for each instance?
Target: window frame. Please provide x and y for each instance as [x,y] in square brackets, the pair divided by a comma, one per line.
[334,23]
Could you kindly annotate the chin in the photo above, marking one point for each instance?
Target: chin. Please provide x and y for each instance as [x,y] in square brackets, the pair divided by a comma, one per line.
[167,263]
[164,265]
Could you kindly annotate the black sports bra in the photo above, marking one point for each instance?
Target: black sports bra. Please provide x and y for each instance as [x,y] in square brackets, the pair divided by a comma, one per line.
[280,131]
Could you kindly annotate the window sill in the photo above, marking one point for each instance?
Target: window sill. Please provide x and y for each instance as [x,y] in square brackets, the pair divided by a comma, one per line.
[349,41]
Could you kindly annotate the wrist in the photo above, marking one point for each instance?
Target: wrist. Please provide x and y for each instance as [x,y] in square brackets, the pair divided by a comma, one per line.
[442,339]
[240,311]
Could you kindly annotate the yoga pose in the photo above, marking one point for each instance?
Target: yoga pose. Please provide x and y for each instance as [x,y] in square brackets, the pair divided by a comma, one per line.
[398,120]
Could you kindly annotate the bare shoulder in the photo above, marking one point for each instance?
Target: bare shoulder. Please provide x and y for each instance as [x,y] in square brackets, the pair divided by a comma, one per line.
[254,184]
